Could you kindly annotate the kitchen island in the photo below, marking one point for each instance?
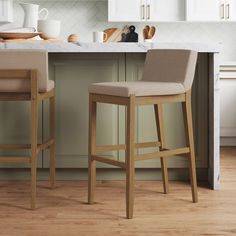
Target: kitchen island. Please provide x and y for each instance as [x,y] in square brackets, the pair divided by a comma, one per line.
[74,66]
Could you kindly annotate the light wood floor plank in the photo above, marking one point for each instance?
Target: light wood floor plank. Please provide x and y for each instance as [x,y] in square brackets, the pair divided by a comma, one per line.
[64,211]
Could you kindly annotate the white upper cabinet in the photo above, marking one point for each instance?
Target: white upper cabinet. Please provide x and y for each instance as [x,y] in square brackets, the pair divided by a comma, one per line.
[6,11]
[125,10]
[202,10]
[146,10]
[165,10]
[210,10]
[171,10]
[230,10]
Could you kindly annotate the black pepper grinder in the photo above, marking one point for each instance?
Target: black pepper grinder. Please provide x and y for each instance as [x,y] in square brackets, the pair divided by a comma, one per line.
[132,36]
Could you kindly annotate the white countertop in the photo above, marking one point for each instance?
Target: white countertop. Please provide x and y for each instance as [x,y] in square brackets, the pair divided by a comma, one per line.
[63,47]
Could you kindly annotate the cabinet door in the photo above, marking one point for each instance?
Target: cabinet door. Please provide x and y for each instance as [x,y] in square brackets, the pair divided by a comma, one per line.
[168,10]
[15,129]
[202,10]
[230,10]
[72,78]
[227,113]
[123,10]
[6,11]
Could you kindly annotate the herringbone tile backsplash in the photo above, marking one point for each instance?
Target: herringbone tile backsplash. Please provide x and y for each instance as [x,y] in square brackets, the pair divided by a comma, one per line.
[84,17]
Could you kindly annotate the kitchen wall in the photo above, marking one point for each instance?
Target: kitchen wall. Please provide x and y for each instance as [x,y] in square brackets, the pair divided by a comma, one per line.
[84,17]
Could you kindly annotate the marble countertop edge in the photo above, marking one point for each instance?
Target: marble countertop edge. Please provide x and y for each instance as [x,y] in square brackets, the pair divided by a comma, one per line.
[63,47]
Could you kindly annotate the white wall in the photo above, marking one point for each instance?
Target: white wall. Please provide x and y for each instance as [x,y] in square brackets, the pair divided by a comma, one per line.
[84,17]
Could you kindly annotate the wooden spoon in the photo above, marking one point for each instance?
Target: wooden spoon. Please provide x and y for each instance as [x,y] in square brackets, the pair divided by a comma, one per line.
[147,27]
[145,33]
[151,32]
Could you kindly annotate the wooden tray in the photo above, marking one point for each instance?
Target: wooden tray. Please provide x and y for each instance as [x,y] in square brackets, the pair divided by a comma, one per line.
[29,40]
[18,35]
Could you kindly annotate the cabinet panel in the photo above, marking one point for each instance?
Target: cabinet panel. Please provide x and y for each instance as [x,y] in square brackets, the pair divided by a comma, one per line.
[230,10]
[72,80]
[123,10]
[6,11]
[227,100]
[168,10]
[227,103]
[15,129]
[202,10]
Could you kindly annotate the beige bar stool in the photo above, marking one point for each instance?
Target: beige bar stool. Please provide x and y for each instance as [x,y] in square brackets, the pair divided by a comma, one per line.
[168,77]
[24,77]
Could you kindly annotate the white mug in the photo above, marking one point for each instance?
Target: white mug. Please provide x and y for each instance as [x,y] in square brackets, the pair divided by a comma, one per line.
[50,28]
[99,37]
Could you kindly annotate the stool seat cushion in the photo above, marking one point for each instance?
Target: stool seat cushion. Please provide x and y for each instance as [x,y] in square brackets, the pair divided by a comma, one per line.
[137,88]
[22,86]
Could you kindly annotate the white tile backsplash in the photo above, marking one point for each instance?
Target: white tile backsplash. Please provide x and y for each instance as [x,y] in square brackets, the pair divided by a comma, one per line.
[84,17]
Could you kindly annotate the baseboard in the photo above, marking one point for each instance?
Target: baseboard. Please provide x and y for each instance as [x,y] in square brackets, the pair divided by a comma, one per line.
[227,141]
[102,174]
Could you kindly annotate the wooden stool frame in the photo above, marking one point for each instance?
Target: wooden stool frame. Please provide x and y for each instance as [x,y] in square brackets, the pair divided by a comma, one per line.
[35,97]
[131,102]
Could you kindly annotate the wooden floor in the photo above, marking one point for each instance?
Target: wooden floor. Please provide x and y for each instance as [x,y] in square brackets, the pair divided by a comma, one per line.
[64,211]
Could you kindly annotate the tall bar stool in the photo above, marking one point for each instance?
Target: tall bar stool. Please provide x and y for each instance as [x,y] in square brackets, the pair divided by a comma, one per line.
[168,77]
[24,77]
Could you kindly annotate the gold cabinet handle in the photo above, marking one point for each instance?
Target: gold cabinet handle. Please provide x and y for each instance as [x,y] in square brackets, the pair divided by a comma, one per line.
[143,12]
[228,11]
[222,11]
[148,12]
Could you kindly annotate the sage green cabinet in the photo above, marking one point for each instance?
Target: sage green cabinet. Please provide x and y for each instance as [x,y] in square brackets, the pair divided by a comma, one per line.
[73,73]
[72,78]
[15,129]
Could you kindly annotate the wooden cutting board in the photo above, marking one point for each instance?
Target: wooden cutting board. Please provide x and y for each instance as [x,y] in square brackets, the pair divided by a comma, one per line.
[115,34]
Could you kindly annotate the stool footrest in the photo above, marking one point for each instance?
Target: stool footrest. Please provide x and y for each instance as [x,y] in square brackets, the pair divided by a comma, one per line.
[45,145]
[109,161]
[15,159]
[109,148]
[166,153]
[26,146]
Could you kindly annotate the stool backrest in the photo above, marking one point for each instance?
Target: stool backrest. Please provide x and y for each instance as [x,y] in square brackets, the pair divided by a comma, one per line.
[170,65]
[24,59]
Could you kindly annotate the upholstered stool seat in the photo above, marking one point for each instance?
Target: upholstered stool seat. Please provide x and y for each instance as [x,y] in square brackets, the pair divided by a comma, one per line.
[167,78]
[138,88]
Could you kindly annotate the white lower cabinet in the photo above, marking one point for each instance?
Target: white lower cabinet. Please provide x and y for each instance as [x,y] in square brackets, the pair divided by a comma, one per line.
[228,100]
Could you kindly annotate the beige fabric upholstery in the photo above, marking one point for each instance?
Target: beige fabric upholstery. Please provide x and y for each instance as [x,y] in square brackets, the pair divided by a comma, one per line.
[139,88]
[25,59]
[166,72]
[172,65]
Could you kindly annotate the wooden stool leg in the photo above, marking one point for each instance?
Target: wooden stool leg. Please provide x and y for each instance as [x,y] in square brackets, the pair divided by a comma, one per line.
[130,169]
[52,136]
[160,132]
[92,150]
[34,137]
[187,110]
